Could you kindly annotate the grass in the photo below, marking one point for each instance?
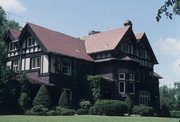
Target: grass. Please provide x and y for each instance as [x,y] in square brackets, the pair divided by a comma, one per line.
[83,118]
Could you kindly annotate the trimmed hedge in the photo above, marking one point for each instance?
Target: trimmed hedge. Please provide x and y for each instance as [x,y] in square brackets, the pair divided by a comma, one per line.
[64,100]
[143,110]
[108,107]
[85,104]
[64,111]
[175,114]
[81,112]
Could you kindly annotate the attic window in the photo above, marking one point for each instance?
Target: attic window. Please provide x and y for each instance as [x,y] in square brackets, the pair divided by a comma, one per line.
[30,41]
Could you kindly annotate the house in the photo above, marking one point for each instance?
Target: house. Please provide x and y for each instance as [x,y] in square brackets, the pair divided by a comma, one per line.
[118,54]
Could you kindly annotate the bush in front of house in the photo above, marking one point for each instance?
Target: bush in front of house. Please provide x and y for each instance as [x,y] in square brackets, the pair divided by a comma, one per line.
[64,111]
[82,111]
[143,110]
[42,97]
[165,111]
[108,107]
[24,101]
[175,114]
[129,104]
[64,100]
[85,104]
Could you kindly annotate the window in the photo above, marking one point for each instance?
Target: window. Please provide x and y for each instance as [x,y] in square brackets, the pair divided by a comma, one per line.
[98,56]
[108,55]
[103,56]
[144,97]
[131,88]
[121,76]
[131,77]
[12,46]
[121,87]
[126,47]
[30,41]
[35,63]
[15,66]
[66,66]
[132,49]
[141,53]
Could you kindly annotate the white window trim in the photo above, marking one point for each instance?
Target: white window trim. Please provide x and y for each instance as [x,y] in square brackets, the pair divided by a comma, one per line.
[131,77]
[14,47]
[133,88]
[124,87]
[15,66]
[35,62]
[30,38]
[66,66]
[123,77]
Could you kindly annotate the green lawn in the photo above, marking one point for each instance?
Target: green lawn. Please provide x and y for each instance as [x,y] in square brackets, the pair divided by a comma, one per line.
[85,118]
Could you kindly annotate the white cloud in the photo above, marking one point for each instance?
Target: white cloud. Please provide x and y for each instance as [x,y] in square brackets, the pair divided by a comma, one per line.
[170,46]
[13,6]
[176,66]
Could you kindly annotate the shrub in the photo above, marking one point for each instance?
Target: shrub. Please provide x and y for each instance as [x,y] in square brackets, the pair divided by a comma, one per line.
[129,104]
[143,110]
[64,111]
[64,100]
[82,112]
[42,97]
[165,111]
[85,104]
[24,100]
[108,107]
[175,114]
[37,110]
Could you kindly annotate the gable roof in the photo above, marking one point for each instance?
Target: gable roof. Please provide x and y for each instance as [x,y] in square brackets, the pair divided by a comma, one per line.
[143,37]
[104,41]
[15,33]
[56,42]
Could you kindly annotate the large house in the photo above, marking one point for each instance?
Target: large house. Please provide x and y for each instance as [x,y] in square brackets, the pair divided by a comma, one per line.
[118,54]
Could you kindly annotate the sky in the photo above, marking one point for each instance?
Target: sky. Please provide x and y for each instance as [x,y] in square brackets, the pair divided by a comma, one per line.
[77,17]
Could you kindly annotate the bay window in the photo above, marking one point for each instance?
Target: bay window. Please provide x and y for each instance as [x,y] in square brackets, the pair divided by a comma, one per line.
[122,87]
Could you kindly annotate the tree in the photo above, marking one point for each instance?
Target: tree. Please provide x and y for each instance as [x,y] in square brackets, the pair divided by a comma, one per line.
[42,97]
[13,25]
[64,100]
[178,102]
[8,85]
[3,22]
[129,104]
[175,4]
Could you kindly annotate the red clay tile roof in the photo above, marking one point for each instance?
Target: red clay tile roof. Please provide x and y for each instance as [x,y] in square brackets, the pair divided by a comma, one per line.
[139,36]
[60,43]
[157,75]
[104,41]
[15,33]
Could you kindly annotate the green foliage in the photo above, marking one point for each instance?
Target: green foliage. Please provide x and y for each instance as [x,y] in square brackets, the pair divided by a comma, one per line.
[85,104]
[13,25]
[129,104]
[64,111]
[165,9]
[178,102]
[64,100]
[108,107]
[3,22]
[42,97]
[82,112]
[165,111]
[175,114]
[24,100]
[100,87]
[143,110]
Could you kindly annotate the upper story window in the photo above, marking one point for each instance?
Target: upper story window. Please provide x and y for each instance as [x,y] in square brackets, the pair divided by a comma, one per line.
[35,63]
[121,87]
[30,41]
[15,66]
[125,47]
[66,66]
[131,88]
[121,76]
[131,77]
[12,46]
[141,53]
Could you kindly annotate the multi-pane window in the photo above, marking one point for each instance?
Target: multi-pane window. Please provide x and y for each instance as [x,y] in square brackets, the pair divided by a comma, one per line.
[12,46]
[131,88]
[30,41]
[144,97]
[66,66]
[126,48]
[131,77]
[121,76]
[15,66]
[141,53]
[35,63]
[121,87]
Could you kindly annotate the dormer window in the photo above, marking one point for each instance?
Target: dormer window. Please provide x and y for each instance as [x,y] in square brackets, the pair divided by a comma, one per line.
[30,41]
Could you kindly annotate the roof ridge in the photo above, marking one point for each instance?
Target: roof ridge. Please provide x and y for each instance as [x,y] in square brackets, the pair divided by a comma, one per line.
[54,31]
